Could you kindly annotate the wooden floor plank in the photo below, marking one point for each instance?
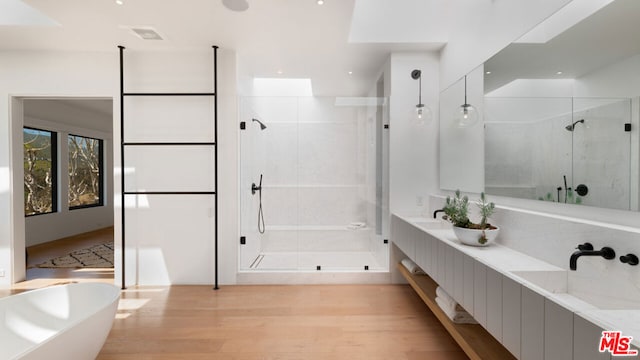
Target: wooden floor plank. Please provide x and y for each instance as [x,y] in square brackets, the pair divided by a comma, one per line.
[278,322]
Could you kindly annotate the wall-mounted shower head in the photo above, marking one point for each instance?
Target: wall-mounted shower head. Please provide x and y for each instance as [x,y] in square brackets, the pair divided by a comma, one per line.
[573,126]
[262,125]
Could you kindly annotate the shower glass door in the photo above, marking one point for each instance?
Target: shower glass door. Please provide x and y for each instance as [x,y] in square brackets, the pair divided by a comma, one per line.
[319,159]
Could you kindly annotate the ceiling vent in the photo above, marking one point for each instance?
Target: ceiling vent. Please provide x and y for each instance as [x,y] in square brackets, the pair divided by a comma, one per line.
[146,33]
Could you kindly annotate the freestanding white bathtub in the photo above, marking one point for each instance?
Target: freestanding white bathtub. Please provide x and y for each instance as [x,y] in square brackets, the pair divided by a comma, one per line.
[60,322]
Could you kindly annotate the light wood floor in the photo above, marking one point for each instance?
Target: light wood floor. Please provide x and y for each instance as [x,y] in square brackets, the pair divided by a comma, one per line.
[354,322]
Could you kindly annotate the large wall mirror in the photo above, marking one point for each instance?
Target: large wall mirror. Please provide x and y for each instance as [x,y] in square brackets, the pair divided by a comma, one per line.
[561,109]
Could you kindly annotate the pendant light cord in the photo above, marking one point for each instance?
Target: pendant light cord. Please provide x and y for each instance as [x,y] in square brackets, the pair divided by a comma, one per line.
[420,90]
[465,89]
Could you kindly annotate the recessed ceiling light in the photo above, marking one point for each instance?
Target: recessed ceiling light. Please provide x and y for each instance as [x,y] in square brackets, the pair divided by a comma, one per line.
[120,2]
[320,2]
[279,72]
[350,72]
[559,73]
[488,72]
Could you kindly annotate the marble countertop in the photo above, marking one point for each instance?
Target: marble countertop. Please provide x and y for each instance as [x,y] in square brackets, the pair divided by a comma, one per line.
[521,268]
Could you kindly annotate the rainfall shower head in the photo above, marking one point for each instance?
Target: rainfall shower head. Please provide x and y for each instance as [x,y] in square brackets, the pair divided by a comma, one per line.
[573,126]
[262,126]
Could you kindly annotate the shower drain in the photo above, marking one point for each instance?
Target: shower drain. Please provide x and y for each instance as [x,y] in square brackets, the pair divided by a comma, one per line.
[256,262]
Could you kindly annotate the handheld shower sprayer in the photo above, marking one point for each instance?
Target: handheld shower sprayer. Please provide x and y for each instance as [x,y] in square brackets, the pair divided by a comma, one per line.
[573,126]
[254,189]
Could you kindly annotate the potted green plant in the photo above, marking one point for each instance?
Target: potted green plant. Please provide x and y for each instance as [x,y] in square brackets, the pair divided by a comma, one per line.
[468,232]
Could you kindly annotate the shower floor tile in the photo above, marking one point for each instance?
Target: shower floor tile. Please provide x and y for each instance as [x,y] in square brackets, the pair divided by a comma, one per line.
[307,261]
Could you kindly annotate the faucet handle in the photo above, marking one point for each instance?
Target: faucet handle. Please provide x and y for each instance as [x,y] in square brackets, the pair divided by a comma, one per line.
[630,259]
[585,246]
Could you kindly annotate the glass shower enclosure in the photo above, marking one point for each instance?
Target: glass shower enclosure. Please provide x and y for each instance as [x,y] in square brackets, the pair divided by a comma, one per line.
[313,172]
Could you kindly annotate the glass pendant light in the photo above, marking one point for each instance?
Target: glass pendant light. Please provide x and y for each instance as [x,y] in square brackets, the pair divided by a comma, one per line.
[467,114]
[421,113]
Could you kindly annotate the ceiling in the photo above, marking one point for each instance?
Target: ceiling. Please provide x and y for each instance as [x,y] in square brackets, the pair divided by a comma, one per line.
[298,38]
[606,37]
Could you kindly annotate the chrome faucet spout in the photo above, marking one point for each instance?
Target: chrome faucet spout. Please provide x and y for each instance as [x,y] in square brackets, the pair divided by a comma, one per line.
[606,252]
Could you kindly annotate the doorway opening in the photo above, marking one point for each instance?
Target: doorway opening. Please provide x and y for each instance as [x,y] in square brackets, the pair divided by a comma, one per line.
[64,163]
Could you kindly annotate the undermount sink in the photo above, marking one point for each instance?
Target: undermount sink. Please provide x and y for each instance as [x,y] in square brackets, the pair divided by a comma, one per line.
[553,281]
[593,294]
[432,224]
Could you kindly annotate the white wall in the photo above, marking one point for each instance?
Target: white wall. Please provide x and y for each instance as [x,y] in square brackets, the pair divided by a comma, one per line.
[57,116]
[77,74]
[37,74]
[485,27]
[413,164]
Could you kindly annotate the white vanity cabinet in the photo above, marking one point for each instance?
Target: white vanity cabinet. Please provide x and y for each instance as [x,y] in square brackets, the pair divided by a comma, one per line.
[402,236]
[468,283]
[558,332]
[586,340]
[511,315]
[527,322]
[532,326]
[480,293]
[494,303]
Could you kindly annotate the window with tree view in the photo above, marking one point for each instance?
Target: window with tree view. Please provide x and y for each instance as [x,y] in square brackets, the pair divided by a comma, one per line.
[85,172]
[40,178]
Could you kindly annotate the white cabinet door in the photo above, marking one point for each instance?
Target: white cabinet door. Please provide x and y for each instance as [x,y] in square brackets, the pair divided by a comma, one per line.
[511,315]
[449,269]
[558,332]
[420,247]
[480,293]
[428,241]
[458,276]
[435,260]
[532,327]
[494,303]
[586,340]
[467,298]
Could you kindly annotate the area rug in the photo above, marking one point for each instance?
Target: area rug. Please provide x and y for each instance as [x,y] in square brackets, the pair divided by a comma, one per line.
[97,256]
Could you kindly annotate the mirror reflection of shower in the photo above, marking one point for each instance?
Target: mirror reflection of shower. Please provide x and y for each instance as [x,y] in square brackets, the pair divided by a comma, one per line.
[262,125]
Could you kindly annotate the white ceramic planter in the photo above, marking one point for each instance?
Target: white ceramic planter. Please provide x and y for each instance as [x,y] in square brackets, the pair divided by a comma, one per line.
[473,237]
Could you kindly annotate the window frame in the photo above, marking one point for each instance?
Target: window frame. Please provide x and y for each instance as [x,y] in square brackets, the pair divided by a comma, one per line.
[100,174]
[54,169]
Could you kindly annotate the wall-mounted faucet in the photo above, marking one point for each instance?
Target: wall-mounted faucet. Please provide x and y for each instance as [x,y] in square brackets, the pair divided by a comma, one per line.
[630,259]
[586,249]
[435,213]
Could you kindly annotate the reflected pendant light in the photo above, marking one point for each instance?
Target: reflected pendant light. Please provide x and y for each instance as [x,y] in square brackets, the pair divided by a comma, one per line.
[467,114]
[421,113]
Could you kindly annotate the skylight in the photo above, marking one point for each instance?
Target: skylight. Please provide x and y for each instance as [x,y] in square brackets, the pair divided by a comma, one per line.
[282,87]
[17,13]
